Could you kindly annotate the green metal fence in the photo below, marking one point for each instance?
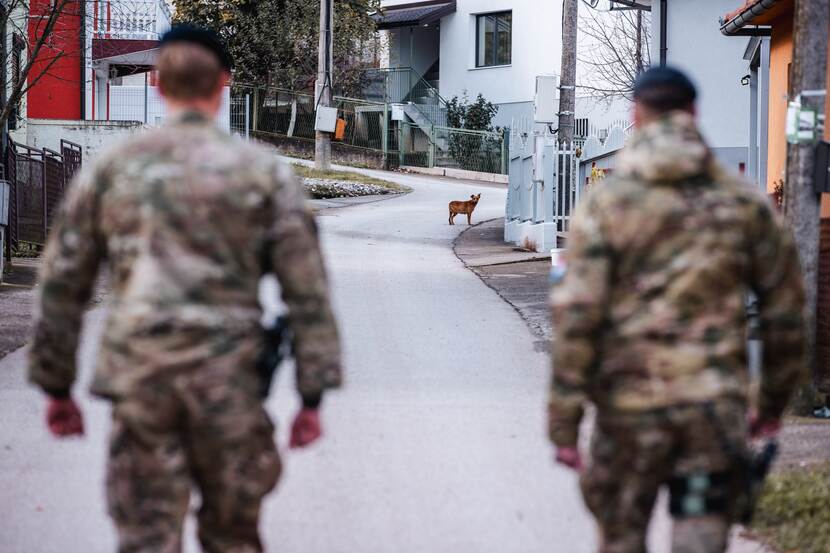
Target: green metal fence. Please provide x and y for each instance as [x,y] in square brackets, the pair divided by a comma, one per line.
[370,125]
[483,152]
[292,114]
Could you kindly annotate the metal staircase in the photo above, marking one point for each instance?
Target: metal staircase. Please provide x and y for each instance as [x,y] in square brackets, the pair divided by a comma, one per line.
[421,102]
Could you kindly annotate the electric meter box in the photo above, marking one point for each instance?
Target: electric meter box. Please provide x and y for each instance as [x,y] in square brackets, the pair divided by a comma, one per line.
[398,113]
[326,119]
[546,103]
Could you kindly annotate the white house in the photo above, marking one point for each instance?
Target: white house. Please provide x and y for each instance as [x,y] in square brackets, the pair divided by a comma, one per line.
[491,47]
[686,34]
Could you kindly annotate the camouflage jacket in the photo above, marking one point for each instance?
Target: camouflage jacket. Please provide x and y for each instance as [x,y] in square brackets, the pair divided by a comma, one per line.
[651,311]
[187,218]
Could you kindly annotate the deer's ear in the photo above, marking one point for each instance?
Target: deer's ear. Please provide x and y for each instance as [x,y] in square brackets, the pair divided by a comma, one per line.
[473,196]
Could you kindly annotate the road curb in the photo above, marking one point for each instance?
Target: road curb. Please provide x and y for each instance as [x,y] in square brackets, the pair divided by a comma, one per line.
[540,331]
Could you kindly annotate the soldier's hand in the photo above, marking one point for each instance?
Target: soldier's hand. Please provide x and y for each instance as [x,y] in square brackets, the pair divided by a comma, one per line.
[763,427]
[306,428]
[570,457]
[64,418]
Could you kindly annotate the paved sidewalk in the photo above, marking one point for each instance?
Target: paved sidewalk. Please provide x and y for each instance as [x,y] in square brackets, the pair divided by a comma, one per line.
[17,297]
[519,277]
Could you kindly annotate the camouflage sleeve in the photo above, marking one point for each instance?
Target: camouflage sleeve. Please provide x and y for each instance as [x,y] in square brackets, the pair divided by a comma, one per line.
[67,274]
[298,265]
[579,309]
[777,281]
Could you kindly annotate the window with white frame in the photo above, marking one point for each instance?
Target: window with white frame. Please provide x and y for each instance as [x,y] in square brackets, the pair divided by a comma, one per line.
[494,39]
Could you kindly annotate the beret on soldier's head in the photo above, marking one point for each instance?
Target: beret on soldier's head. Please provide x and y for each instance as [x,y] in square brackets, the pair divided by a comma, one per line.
[187,32]
[666,79]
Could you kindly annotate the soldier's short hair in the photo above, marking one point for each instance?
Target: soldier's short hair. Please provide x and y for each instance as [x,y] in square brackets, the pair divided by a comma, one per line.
[188,70]
[664,89]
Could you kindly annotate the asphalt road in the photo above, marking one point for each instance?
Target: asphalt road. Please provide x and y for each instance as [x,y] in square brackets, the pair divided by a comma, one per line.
[435,445]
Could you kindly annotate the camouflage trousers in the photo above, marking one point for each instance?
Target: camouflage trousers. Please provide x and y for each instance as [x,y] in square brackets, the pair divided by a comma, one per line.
[633,456]
[208,430]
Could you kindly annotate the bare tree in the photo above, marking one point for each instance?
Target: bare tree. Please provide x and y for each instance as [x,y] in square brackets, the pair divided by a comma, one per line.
[614,50]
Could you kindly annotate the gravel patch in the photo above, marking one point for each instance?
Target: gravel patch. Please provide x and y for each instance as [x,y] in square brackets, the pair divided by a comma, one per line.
[330,188]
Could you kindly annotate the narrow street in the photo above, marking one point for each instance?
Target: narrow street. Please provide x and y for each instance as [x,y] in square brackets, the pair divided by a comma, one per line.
[437,443]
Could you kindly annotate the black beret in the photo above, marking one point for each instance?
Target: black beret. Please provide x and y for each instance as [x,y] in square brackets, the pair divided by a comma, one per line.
[665,78]
[186,32]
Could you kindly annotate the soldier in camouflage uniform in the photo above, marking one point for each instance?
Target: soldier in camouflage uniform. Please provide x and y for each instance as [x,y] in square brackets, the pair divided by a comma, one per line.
[650,327]
[185,217]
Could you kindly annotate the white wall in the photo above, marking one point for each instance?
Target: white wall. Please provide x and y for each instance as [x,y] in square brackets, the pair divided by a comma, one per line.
[92,136]
[536,50]
[714,62]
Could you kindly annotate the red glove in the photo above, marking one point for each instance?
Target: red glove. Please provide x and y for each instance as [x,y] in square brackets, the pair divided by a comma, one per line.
[306,428]
[570,457]
[64,418]
[763,428]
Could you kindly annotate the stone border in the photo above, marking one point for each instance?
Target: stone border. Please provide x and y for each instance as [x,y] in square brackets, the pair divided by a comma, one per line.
[457,174]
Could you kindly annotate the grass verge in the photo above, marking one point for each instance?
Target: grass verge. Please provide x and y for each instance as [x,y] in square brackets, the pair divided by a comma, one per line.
[306,172]
[794,511]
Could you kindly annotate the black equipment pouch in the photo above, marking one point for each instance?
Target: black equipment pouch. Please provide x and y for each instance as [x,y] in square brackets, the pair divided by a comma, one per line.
[276,348]
[749,471]
[700,494]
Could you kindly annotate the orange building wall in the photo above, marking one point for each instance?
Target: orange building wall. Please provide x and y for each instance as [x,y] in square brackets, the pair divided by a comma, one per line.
[780,56]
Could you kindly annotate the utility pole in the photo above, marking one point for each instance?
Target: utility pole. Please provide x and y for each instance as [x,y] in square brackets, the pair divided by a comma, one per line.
[802,206]
[323,93]
[567,82]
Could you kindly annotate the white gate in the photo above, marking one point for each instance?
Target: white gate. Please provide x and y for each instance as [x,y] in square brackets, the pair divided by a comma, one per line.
[543,190]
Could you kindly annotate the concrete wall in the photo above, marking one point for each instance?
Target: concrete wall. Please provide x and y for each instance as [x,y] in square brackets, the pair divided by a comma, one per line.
[92,136]
[714,62]
[340,153]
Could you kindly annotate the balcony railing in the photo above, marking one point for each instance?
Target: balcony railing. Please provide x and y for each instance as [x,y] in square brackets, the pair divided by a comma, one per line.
[404,85]
[131,19]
